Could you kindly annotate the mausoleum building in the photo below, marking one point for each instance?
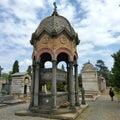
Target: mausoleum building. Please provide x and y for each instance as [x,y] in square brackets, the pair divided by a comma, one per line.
[21,83]
[90,78]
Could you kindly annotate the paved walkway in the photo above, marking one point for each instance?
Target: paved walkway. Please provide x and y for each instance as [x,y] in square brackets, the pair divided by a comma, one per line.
[102,109]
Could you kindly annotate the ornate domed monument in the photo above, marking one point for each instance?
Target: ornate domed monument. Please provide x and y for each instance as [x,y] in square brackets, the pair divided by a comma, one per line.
[54,40]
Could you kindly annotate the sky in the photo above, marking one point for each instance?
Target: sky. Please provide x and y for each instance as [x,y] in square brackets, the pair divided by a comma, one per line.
[97,23]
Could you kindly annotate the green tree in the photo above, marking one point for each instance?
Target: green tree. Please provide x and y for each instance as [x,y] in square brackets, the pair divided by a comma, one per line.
[80,80]
[62,67]
[29,70]
[7,77]
[15,67]
[116,70]
[103,71]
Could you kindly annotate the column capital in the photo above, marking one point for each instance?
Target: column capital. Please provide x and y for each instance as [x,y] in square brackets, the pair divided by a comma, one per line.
[76,65]
[37,58]
[71,62]
[54,60]
[70,58]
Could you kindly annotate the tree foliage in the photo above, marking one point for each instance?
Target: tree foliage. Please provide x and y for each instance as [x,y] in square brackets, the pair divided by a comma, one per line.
[103,71]
[62,67]
[7,77]
[15,67]
[116,70]
[29,70]
[80,80]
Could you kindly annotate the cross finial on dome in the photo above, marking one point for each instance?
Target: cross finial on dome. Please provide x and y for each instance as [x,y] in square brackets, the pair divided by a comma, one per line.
[55,7]
[89,61]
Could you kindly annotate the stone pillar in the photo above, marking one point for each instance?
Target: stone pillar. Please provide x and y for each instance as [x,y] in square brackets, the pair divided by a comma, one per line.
[54,88]
[76,86]
[36,86]
[71,86]
[68,82]
[83,96]
[32,84]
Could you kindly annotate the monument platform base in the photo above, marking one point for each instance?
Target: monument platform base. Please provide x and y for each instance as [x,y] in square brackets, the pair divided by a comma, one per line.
[61,113]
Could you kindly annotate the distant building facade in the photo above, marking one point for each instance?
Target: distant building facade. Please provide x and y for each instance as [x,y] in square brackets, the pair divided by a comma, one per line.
[20,84]
[90,78]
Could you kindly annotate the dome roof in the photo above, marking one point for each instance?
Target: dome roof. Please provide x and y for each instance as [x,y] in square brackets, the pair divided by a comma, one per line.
[54,25]
[55,22]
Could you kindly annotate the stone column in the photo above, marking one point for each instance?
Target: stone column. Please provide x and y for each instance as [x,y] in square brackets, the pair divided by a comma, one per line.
[68,82]
[71,86]
[54,88]
[36,88]
[83,96]
[76,86]
[32,84]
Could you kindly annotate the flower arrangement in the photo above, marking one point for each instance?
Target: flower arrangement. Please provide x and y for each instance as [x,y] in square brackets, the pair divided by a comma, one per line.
[66,104]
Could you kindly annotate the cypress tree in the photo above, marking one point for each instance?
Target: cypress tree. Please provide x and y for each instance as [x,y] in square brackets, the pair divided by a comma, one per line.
[15,67]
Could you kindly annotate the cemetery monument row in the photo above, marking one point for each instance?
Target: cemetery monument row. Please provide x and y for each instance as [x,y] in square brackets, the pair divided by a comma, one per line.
[54,40]
[1,78]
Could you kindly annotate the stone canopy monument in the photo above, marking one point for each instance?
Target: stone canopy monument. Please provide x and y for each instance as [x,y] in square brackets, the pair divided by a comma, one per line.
[54,40]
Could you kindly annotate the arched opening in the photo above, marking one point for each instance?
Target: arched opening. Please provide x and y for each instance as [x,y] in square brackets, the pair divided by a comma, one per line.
[48,64]
[26,85]
[62,57]
[45,66]
[62,65]
[25,89]
[62,60]
[45,58]
[61,85]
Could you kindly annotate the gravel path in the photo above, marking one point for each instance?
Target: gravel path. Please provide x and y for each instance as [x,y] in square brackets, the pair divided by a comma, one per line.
[8,113]
[102,109]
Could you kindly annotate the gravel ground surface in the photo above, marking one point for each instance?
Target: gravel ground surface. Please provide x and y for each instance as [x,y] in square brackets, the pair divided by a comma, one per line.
[101,109]
[8,113]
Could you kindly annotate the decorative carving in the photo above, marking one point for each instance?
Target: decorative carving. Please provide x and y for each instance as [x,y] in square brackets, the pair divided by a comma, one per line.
[45,40]
[63,40]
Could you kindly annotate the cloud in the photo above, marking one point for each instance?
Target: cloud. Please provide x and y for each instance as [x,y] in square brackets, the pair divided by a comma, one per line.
[95,21]
[101,17]
[25,62]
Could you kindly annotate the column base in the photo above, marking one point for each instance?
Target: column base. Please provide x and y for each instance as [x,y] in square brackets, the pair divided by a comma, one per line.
[83,102]
[54,108]
[34,109]
[73,109]
[77,104]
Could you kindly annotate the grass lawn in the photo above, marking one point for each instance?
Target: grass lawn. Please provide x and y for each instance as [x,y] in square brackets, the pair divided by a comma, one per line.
[118,96]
